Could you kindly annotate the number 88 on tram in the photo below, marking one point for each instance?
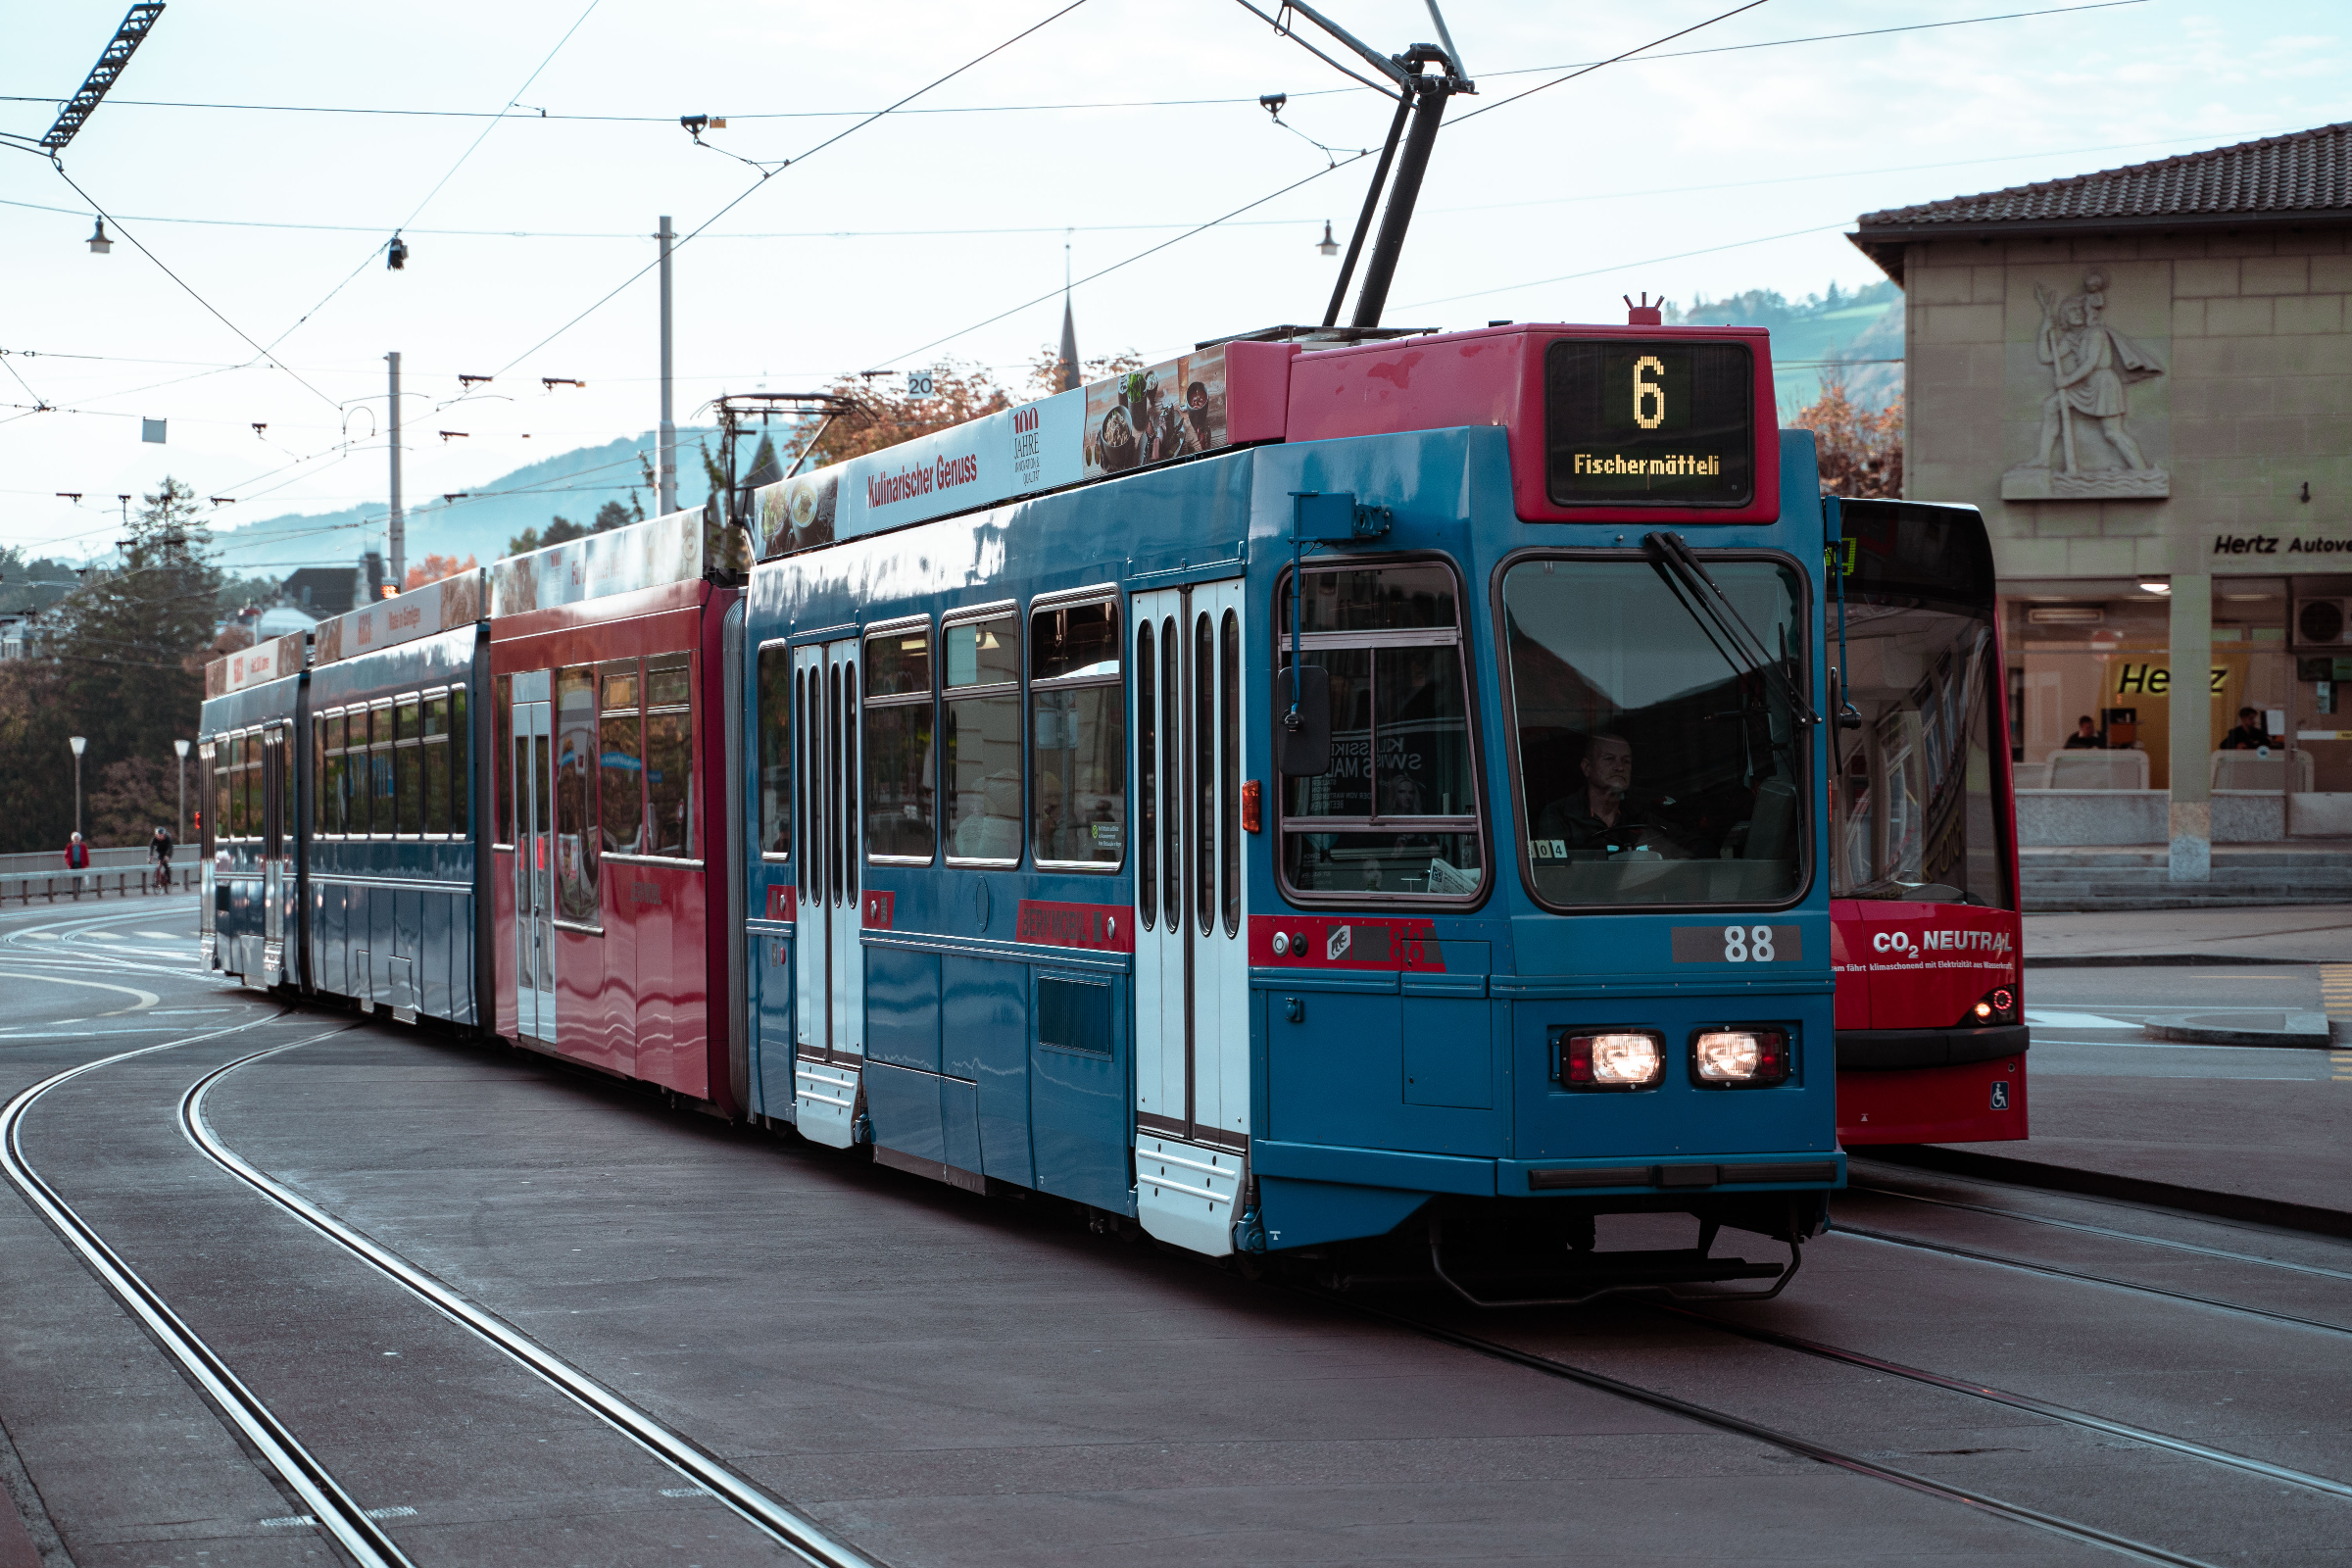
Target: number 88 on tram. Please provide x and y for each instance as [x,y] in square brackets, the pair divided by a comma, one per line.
[1317,799]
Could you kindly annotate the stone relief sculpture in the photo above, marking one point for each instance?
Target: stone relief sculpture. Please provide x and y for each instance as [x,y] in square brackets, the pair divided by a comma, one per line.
[2086,420]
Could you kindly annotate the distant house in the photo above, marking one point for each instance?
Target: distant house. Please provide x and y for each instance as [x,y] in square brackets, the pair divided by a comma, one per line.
[324,591]
[22,605]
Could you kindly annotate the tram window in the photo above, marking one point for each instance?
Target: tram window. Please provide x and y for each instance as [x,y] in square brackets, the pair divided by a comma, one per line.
[1146,775]
[1171,828]
[669,756]
[983,740]
[408,767]
[461,751]
[1228,766]
[328,802]
[1077,737]
[436,765]
[1654,771]
[775,751]
[576,797]
[233,804]
[1205,822]
[317,823]
[502,748]
[1398,813]
[621,760]
[380,819]
[208,818]
[1913,814]
[898,762]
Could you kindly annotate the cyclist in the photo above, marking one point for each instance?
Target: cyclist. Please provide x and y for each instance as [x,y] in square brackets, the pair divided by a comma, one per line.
[159,848]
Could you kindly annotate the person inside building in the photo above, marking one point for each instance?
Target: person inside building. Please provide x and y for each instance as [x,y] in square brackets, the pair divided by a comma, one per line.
[2085,737]
[2250,735]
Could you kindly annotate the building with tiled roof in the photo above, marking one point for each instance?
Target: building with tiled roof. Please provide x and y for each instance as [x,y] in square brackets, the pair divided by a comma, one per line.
[2143,376]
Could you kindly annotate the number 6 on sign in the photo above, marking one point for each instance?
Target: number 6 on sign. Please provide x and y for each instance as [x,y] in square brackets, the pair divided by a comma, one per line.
[1649,396]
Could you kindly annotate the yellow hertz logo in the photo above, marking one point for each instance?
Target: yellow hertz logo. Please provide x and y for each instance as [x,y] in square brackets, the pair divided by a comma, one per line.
[1680,466]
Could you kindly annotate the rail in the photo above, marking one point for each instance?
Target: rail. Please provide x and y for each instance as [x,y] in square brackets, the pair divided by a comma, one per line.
[97,882]
[106,859]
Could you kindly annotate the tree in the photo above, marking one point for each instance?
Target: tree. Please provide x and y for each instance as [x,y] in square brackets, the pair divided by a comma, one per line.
[613,514]
[122,664]
[435,568]
[131,797]
[1861,452]
[235,593]
[1045,372]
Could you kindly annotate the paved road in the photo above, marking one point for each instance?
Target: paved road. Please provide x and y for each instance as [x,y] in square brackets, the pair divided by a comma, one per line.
[937,1379]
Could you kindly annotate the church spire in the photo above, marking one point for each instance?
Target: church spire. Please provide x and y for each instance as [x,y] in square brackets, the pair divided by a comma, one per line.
[1070,376]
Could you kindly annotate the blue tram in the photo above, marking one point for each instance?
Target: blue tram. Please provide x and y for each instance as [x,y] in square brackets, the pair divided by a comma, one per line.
[394,896]
[249,786]
[1310,792]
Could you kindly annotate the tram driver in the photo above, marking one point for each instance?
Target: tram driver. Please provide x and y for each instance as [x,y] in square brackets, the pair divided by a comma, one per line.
[1598,822]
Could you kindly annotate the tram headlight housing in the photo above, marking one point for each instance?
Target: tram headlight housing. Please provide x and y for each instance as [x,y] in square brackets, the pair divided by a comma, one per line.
[1603,1059]
[1747,1057]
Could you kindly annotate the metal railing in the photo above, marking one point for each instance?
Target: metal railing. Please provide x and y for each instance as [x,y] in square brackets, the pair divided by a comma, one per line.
[55,859]
[26,887]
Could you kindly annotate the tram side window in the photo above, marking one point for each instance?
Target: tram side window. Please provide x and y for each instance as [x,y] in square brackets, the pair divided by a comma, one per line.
[502,752]
[380,819]
[576,830]
[318,822]
[983,740]
[326,810]
[669,756]
[774,722]
[898,762]
[209,824]
[408,767]
[1077,737]
[461,751]
[436,764]
[1654,769]
[1398,813]
[232,792]
[620,759]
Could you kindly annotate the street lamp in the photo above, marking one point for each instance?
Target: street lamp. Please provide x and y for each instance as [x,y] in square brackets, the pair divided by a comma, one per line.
[181,747]
[77,742]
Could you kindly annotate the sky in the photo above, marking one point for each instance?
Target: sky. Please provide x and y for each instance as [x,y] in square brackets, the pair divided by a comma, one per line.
[943,233]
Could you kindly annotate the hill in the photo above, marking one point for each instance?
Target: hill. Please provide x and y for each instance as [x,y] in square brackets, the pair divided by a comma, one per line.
[570,484]
[1862,329]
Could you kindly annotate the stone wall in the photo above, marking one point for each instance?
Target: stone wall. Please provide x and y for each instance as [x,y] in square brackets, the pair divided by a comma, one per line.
[2247,398]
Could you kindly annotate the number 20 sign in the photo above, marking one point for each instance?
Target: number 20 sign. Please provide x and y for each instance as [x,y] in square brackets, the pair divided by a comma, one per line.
[1738,944]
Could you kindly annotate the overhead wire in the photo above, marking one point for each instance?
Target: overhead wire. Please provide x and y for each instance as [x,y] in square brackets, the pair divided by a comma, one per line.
[767,173]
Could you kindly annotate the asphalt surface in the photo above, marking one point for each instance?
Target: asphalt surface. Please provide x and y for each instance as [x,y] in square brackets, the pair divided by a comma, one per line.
[939,1379]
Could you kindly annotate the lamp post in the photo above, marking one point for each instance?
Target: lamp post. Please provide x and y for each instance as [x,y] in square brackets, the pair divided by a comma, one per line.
[77,742]
[181,747]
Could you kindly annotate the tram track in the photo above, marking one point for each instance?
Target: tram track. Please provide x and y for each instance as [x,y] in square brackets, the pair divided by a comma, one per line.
[1794,1443]
[804,1537]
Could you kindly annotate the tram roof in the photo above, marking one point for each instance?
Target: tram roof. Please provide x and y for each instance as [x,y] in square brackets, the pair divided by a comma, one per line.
[1224,395]
[257,665]
[437,607]
[669,548]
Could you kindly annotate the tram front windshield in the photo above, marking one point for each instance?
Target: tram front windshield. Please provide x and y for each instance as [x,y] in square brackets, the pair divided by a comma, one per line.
[1656,766]
[1914,812]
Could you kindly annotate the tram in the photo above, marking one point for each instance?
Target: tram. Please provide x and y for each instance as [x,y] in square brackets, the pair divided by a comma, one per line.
[612,829]
[1310,792]
[394,884]
[1923,833]
[249,781]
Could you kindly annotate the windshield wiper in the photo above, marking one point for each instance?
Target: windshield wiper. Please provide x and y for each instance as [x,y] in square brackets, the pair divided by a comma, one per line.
[1725,626]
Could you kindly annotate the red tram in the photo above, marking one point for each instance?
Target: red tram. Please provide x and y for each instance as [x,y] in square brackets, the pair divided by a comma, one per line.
[1924,926]
[610,855]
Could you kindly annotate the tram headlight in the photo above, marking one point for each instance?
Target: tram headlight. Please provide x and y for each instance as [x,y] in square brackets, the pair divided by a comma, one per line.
[1746,1058]
[1624,1058]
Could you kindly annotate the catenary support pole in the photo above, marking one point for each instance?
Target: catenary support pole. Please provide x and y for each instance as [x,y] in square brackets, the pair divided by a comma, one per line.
[397,535]
[666,485]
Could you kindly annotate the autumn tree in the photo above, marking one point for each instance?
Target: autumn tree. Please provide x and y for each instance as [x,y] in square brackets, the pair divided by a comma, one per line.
[435,568]
[1861,451]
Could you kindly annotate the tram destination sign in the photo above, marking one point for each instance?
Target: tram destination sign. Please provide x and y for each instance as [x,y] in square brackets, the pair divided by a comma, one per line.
[1664,422]
[257,665]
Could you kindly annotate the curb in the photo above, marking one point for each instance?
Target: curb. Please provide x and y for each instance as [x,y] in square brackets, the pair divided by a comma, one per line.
[2313,1034]
[2127,961]
[2273,1212]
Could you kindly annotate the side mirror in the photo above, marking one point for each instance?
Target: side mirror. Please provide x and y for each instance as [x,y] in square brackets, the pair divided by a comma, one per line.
[1303,742]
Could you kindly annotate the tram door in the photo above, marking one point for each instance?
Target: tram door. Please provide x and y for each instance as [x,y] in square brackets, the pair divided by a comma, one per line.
[534,796]
[275,862]
[1192,969]
[829,969]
